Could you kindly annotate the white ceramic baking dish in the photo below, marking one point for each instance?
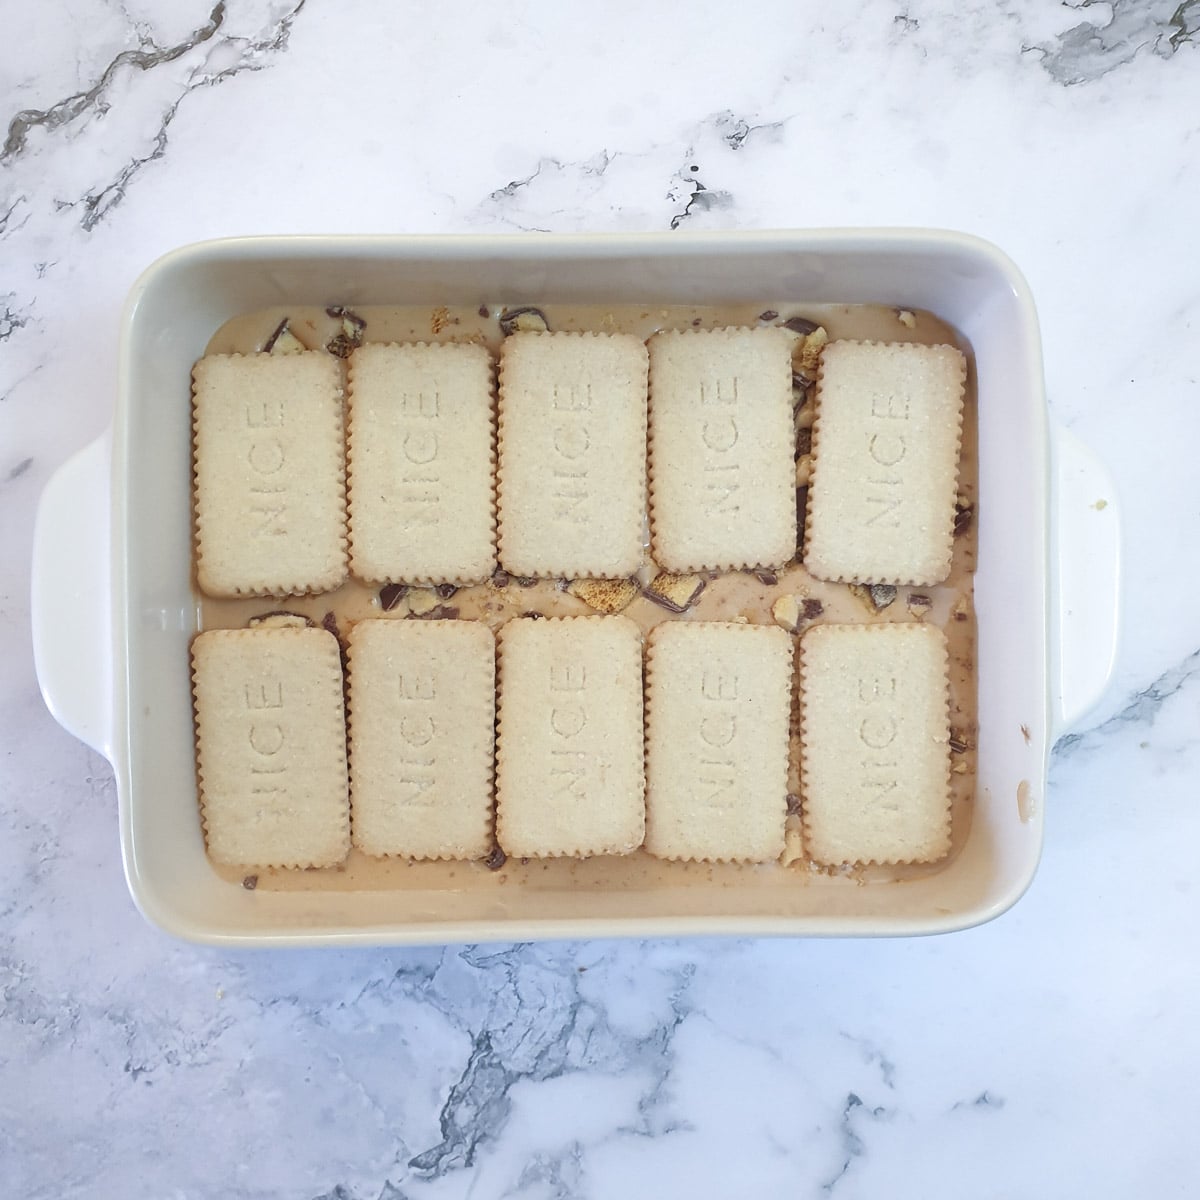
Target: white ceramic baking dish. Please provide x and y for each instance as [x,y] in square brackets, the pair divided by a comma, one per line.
[113,609]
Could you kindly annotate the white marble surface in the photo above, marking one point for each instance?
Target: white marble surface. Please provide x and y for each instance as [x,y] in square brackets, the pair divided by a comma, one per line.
[1051,1053]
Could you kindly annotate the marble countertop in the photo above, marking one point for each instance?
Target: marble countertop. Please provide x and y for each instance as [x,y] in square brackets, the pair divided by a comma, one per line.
[1049,1053]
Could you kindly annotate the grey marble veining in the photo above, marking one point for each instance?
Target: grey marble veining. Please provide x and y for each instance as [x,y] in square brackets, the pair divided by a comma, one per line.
[1048,1053]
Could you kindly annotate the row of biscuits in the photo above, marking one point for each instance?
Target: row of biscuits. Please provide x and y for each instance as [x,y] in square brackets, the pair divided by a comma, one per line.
[592,433]
[550,723]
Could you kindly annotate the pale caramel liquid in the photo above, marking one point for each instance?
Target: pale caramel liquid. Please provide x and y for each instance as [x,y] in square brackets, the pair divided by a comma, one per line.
[728,596]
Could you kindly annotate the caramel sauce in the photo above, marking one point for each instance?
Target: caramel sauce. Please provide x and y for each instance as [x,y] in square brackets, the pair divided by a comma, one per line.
[727,596]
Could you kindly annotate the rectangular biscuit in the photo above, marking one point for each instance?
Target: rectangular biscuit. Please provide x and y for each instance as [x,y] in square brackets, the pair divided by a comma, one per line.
[270,480]
[722,449]
[885,463]
[875,743]
[422,724]
[718,706]
[569,777]
[271,747]
[421,464]
[572,473]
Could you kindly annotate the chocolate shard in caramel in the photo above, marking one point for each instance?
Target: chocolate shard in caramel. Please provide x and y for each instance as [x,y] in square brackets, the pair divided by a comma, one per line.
[283,340]
[675,593]
[876,596]
[964,514]
[791,612]
[919,604]
[280,619]
[391,594]
[800,325]
[604,595]
[526,319]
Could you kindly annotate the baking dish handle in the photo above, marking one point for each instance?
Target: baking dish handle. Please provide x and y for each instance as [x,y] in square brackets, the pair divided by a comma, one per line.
[1085,565]
[71,598]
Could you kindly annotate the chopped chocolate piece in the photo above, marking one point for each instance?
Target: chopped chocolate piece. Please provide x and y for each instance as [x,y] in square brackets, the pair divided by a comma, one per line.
[919,604]
[446,590]
[801,383]
[329,621]
[391,594]
[499,579]
[964,514]
[765,577]
[421,600]
[439,612]
[350,337]
[533,616]
[769,315]
[800,325]
[804,441]
[810,610]
[350,320]
[695,320]
[525,581]
[526,319]
[793,804]
[605,595]
[786,611]
[959,742]
[675,593]
[496,859]
[801,512]
[250,882]
[283,341]
[281,619]
[562,585]
[876,596]
[483,312]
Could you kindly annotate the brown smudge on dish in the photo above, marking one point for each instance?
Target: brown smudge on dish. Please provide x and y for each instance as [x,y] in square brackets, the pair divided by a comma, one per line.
[1026,734]
[1026,805]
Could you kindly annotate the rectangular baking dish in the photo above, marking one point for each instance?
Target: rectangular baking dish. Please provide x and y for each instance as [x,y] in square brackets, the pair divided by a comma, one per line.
[114,613]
